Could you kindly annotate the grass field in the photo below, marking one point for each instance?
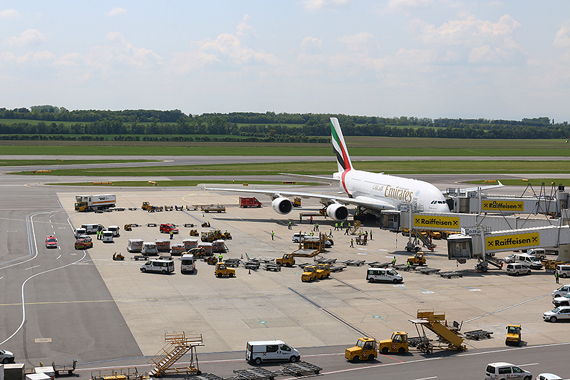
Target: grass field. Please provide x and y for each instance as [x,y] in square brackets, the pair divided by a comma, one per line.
[358,146]
[388,167]
[63,162]
[177,183]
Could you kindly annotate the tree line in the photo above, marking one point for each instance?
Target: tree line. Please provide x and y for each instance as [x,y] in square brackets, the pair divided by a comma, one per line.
[46,122]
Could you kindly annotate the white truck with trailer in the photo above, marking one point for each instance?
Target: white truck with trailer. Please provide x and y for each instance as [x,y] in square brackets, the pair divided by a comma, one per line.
[94,202]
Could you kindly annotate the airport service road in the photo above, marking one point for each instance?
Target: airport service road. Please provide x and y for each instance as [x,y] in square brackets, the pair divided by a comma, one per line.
[54,305]
[469,365]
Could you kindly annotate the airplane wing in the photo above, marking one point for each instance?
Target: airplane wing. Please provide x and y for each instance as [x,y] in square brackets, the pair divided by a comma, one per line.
[334,179]
[371,203]
[488,187]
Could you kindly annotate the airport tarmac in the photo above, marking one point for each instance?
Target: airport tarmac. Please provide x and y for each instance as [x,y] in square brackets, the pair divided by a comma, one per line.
[115,311]
[262,305]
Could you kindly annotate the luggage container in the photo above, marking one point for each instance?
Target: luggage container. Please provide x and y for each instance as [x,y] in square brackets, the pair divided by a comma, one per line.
[190,243]
[163,245]
[208,250]
[149,249]
[219,246]
[134,245]
[177,249]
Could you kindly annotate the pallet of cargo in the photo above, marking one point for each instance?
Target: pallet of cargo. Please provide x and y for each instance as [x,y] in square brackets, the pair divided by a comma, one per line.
[254,374]
[232,263]
[272,267]
[322,260]
[355,263]
[140,257]
[425,270]
[300,369]
[450,274]
[251,265]
[478,334]
[338,267]
[378,264]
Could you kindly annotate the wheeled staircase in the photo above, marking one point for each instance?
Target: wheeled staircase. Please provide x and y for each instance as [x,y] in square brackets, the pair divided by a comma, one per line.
[178,345]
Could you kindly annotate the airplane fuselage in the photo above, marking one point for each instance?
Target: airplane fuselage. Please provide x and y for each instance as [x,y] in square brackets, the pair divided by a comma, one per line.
[393,191]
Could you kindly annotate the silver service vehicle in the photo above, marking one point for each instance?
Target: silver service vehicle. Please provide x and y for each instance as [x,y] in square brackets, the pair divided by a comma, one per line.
[517,269]
[564,289]
[270,350]
[187,264]
[163,266]
[383,274]
[561,312]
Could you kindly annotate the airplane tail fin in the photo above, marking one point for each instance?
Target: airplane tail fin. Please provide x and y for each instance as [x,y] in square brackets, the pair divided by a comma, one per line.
[339,147]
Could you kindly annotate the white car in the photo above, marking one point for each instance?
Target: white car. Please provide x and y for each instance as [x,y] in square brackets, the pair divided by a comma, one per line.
[501,371]
[6,357]
[562,312]
[548,376]
[564,289]
[562,301]
[509,259]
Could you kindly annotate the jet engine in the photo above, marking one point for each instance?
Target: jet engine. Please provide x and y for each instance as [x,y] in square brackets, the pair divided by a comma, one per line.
[282,205]
[337,211]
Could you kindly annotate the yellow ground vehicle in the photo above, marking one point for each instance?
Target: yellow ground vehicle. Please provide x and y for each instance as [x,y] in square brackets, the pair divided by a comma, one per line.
[212,260]
[434,234]
[417,259]
[365,349]
[397,343]
[296,202]
[146,206]
[118,256]
[288,260]
[323,271]
[198,252]
[513,335]
[223,271]
[309,274]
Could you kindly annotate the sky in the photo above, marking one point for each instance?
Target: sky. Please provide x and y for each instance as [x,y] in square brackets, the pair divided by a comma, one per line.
[417,58]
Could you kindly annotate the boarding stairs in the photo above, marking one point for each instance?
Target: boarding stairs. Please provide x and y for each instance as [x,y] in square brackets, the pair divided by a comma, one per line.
[178,345]
[425,239]
[449,337]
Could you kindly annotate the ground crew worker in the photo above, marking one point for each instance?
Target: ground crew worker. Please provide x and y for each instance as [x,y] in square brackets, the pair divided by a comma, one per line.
[300,218]
[370,234]
[171,234]
[342,224]
[394,261]
[336,226]
[316,226]
[220,258]
[409,265]
[272,235]
[311,219]
[346,232]
[351,243]
[289,225]
[330,234]
[556,276]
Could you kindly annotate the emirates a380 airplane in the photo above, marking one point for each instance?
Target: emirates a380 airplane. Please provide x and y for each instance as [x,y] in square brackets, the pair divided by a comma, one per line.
[371,191]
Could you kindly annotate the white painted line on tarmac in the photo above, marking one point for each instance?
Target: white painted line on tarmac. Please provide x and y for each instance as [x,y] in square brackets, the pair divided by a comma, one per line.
[32,267]
[58,257]
[1,277]
[527,365]
[426,378]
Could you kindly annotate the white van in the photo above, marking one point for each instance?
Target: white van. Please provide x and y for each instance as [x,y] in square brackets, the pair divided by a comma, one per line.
[92,228]
[149,248]
[187,264]
[270,350]
[107,237]
[516,269]
[158,265]
[505,371]
[114,230]
[528,260]
[563,270]
[383,274]
[79,232]
[134,245]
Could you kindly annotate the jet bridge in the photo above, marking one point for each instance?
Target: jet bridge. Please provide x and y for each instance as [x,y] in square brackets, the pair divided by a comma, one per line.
[543,201]
[481,236]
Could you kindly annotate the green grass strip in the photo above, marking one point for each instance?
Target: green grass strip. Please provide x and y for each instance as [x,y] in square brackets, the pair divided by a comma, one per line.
[178,183]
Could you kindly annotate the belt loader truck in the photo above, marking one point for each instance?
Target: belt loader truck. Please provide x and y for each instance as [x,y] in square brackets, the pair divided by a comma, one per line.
[94,202]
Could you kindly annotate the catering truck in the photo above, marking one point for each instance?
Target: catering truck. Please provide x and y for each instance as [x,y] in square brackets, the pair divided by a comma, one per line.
[94,202]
